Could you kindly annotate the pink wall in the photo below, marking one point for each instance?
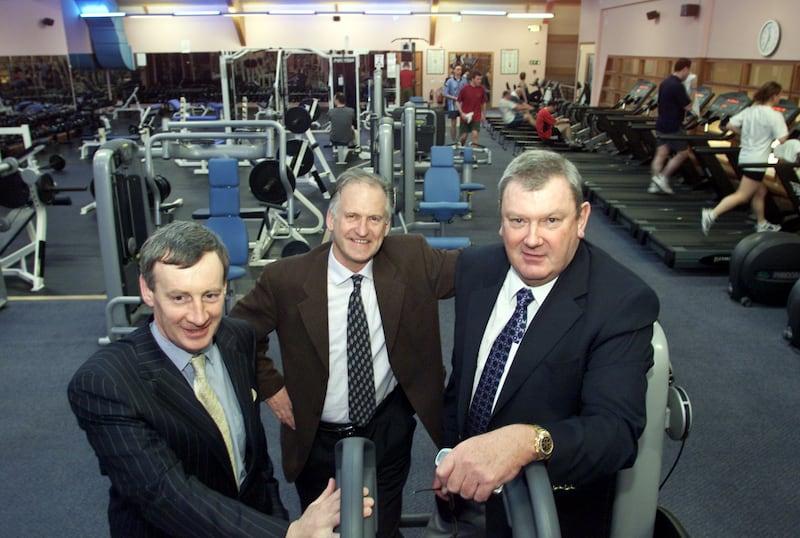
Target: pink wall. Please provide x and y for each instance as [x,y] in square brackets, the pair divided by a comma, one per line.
[21,32]
[724,29]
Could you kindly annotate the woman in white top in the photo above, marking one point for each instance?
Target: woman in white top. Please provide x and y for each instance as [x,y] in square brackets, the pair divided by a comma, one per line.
[759,126]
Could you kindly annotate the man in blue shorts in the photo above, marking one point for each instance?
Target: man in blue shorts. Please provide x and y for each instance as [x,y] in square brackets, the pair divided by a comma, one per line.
[452,87]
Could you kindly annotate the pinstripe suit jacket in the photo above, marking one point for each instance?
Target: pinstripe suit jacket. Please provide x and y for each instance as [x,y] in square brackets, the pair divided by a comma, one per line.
[169,469]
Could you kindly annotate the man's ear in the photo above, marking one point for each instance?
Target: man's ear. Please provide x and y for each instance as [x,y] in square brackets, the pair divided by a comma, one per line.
[146,292]
[583,218]
[329,220]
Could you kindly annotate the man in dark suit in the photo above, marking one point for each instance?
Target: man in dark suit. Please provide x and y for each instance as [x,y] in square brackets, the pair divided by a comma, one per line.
[305,300]
[176,468]
[569,387]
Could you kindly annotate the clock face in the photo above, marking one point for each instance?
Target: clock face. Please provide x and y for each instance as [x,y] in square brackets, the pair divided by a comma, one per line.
[768,37]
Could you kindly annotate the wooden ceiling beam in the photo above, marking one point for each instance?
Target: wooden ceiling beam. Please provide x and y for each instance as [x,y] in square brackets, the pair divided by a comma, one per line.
[235,6]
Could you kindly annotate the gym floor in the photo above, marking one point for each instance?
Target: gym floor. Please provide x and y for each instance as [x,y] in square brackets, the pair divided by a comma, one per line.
[737,472]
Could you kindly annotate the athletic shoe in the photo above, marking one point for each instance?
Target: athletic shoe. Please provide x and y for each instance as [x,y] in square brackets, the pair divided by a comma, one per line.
[653,188]
[663,184]
[767,226]
[706,220]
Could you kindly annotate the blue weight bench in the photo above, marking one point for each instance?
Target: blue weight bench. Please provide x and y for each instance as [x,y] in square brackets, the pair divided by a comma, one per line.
[441,194]
[224,219]
[468,187]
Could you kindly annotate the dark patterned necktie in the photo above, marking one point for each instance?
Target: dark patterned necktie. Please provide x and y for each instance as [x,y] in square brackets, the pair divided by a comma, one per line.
[360,377]
[481,408]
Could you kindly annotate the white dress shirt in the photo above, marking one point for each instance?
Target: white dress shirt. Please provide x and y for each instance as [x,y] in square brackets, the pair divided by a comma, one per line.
[340,285]
[504,307]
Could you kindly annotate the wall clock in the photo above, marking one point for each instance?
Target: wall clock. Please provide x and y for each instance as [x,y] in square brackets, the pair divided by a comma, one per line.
[769,37]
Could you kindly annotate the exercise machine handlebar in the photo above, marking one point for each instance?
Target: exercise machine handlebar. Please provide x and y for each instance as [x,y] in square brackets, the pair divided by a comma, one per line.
[529,503]
[210,152]
[355,470]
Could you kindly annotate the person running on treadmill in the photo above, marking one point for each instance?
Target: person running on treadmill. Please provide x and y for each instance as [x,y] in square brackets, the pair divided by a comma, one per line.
[673,103]
[759,126]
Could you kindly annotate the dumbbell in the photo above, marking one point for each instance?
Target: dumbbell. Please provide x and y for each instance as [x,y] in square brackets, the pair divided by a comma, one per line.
[48,191]
[55,162]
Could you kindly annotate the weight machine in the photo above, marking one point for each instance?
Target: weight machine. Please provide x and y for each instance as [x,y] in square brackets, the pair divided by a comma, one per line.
[26,211]
[25,190]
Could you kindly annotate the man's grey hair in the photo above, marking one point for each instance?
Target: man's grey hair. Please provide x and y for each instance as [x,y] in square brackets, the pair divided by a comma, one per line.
[357,175]
[533,169]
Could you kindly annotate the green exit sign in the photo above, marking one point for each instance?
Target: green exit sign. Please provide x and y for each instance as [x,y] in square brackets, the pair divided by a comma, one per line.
[533,62]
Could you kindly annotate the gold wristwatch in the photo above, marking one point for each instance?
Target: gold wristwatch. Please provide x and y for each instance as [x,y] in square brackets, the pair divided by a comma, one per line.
[543,443]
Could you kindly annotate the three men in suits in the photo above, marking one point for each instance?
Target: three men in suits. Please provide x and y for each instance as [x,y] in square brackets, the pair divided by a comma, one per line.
[175,470]
[305,300]
[571,383]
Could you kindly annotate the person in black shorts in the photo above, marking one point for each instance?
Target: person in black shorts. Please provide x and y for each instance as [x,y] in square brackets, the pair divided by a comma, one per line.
[759,126]
[673,103]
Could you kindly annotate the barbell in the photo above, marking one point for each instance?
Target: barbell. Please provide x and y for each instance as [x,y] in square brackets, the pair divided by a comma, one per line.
[265,178]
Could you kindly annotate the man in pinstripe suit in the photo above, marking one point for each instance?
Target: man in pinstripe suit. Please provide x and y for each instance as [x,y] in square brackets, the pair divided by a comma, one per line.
[171,473]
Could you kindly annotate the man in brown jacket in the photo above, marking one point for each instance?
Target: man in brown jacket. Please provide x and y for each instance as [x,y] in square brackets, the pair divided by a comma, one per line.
[306,299]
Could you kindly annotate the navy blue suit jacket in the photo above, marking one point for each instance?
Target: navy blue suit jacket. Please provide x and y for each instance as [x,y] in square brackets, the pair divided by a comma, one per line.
[169,469]
[580,370]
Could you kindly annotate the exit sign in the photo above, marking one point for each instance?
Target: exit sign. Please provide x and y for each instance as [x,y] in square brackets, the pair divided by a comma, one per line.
[533,62]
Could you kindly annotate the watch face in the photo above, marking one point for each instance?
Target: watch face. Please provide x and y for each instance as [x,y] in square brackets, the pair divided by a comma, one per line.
[547,445]
[768,37]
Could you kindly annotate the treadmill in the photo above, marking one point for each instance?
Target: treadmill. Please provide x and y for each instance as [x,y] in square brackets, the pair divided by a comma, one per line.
[682,248]
[594,118]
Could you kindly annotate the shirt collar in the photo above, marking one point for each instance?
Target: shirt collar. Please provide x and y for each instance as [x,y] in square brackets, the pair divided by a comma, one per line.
[339,274]
[513,283]
[179,357]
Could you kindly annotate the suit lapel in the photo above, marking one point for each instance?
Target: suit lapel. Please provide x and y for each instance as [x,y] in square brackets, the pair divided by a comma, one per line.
[553,320]
[390,291]
[477,310]
[314,308]
[236,364]
[175,393]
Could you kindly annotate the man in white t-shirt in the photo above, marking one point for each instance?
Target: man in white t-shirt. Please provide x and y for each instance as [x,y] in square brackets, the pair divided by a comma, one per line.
[515,113]
[759,126]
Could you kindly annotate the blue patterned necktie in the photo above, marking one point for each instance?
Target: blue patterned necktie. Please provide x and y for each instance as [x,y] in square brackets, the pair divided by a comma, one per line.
[360,376]
[481,408]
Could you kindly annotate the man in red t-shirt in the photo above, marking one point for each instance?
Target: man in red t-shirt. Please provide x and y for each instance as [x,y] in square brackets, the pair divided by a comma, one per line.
[546,124]
[471,105]
[406,83]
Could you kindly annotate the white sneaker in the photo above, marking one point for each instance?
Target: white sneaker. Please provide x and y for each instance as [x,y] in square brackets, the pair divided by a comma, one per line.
[662,183]
[653,188]
[767,226]
[706,220]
